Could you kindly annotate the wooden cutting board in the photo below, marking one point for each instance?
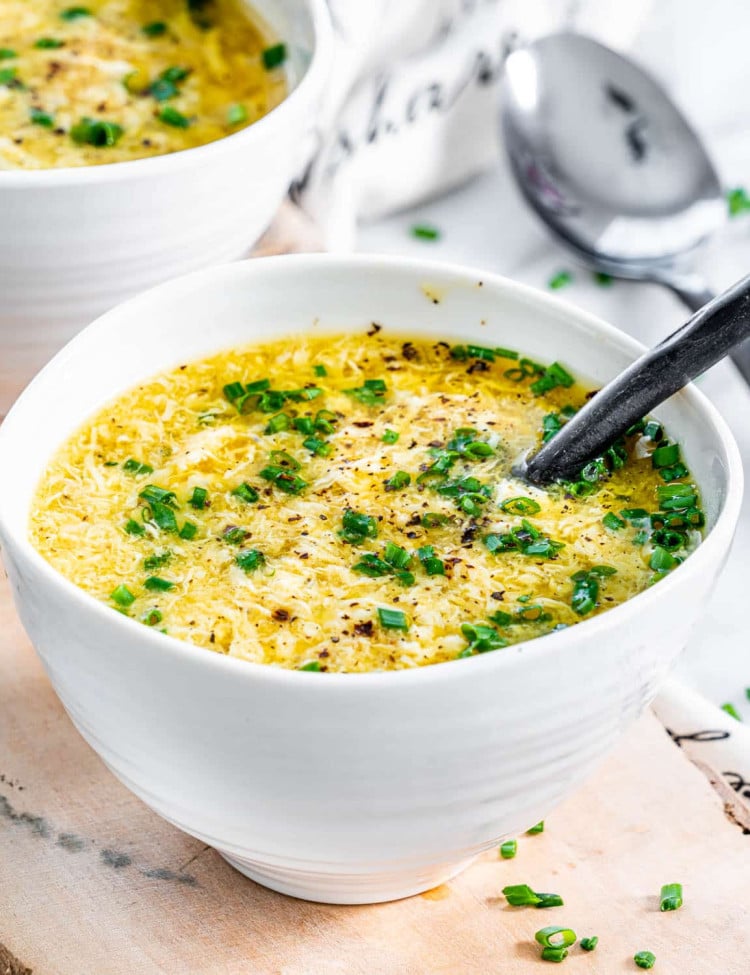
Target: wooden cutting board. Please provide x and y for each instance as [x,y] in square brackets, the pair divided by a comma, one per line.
[93,883]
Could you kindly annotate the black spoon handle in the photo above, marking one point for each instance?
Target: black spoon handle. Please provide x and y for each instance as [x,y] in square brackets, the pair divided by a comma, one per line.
[707,337]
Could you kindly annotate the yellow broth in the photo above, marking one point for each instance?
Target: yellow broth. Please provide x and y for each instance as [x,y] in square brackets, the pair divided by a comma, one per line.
[324,484]
[115,80]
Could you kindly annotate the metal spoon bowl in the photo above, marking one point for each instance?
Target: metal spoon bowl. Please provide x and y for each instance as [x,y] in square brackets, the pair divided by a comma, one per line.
[610,164]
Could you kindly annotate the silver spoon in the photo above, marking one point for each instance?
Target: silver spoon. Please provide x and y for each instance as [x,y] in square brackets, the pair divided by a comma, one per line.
[611,166]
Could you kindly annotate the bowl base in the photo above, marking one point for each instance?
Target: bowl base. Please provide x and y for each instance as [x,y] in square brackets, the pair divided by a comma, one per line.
[346,888]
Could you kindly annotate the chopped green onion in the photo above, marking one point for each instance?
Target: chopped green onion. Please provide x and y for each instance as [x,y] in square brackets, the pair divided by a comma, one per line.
[520,895]
[589,944]
[170,116]
[505,353]
[602,279]
[653,430]
[302,395]
[521,506]
[234,535]
[188,531]
[666,455]
[49,43]
[6,53]
[157,560]
[370,565]
[40,117]
[199,498]
[316,446]
[747,693]
[122,596]
[357,526]
[278,423]
[554,954]
[163,89]
[539,828]
[324,421]
[423,231]
[732,711]
[508,849]
[152,492]
[320,370]
[390,436]
[396,556]
[670,898]
[610,520]
[152,617]
[636,516]
[273,56]
[75,13]
[500,618]
[661,560]
[481,639]
[282,479]
[163,516]
[250,559]
[136,468]
[554,376]
[312,665]
[245,493]
[560,280]
[134,528]
[155,29]
[96,133]
[738,201]
[392,619]
[644,959]
[585,594]
[549,900]
[236,114]
[555,937]
[398,481]
[371,393]
[157,584]
[433,519]
[8,78]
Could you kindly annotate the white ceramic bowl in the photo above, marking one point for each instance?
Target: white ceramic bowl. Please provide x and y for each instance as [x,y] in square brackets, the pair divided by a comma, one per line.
[336,787]
[77,241]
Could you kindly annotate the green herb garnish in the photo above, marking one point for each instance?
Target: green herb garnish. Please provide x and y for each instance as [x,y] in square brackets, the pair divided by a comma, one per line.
[738,201]
[508,849]
[356,527]
[157,28]
[312,665]
[157,584]
[245,493]
[199,498]
[93,133]
[134,528]
[188,531]
[732,711]
[274,56]
[670,898]
[481,638]
[560,280]
[372,392]
[539,828]
[6,53]
[136,468]
[398,481]
[644,959]
[151,617]
[520,506]
[390,436]
[40,117]
[589,944]
[122,596]
[236,115]
[170,116]
[48,43]
[392,619]
[250,559]
[423,231]
[75,13]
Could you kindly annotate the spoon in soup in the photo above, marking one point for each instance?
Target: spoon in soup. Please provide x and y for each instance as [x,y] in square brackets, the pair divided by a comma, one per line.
[712,333]
[611,166]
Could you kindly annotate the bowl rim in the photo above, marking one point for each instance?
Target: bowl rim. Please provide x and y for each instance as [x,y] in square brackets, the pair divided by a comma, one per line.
[312,81]
[717,541]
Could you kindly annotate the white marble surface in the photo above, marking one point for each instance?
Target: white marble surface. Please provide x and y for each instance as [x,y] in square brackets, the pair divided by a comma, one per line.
[485,224]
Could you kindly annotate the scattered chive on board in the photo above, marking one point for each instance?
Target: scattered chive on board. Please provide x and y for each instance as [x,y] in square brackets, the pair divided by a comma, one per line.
[423,231]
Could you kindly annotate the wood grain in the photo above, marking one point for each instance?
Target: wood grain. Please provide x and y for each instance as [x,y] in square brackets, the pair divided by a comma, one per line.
[91,881]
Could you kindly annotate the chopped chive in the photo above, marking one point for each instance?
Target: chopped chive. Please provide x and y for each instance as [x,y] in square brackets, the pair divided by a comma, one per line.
[278,423]
[236,115]
[245,493]
[75,13]
[666,456]
[325,421]
[152,617]
[747,693]
[234,535]
[175,73]
[732,711]
[560,280]
[390,436]
[156,28]
[555,937]
[283,480]
[589,944]
[398,481]
[481,639]
[738,201]
[670,898]
[49,43]
[505,353]
[539,828]
[553,377]
[508,849]
[312,665]
[644,959]
[170,116]
[499,618]
[316,446]
[585,594]
[396,556]
[273,56]
[372,566]
[6,53]
[549,900]
[96,133]
[157,584]
[357,526]
[392,619]
[661,560]
[602,279]
[653,430]
[610,520]
[40,117]
[122,596]
[303,395]
[8,77]
[423,231]
[636,516]
[188,531]
[250,559]
[162,89]
[520,895]
[162,515]
[137,468]
[134,528]
[520,506]
[320,370]
[152,492]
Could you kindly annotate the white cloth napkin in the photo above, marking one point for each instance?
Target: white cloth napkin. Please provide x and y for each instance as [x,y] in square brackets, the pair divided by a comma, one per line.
[411,112]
